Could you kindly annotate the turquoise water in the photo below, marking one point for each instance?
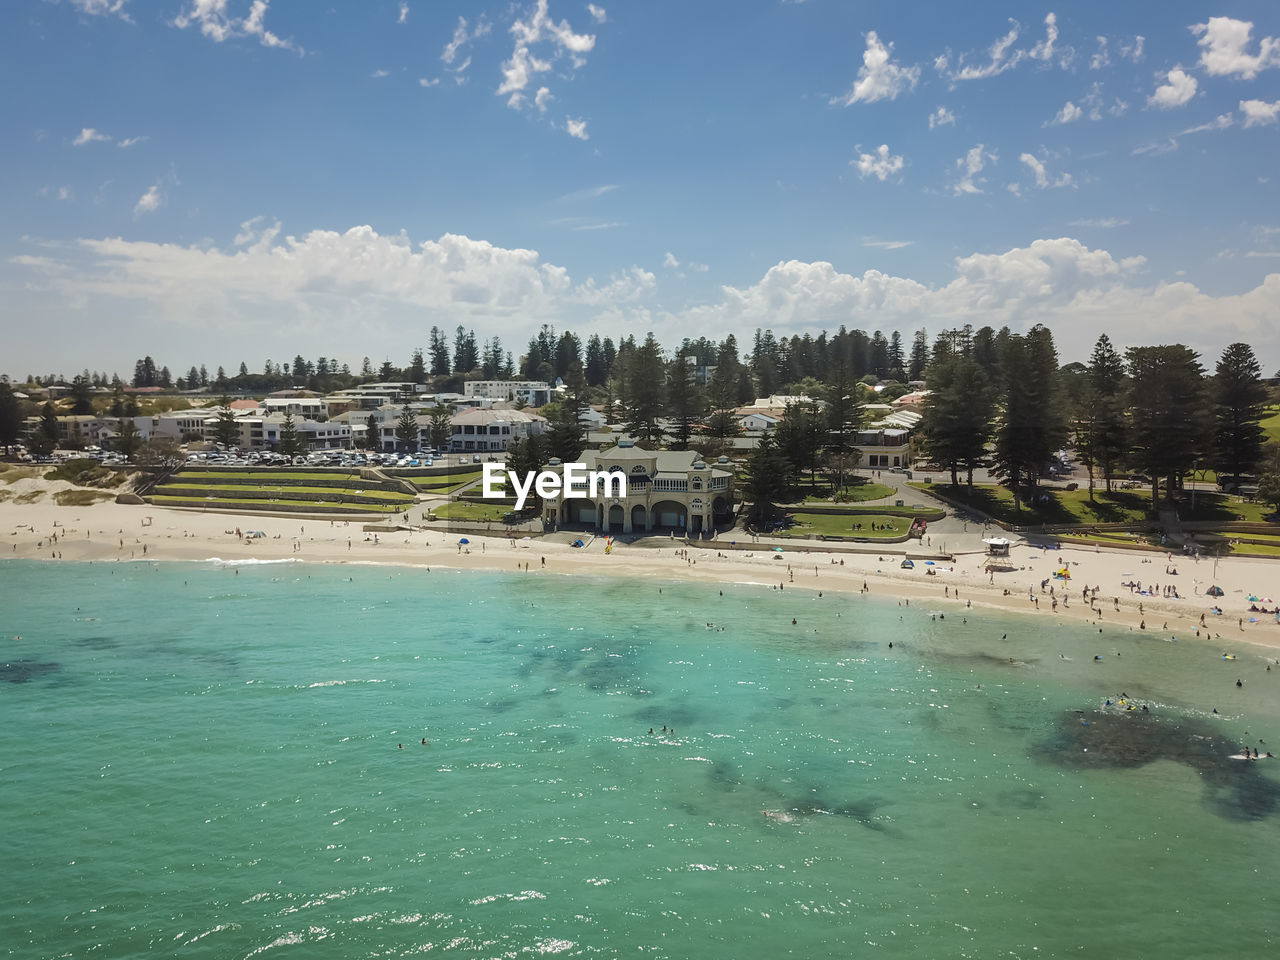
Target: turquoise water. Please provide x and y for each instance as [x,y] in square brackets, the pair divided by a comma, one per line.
[199,762]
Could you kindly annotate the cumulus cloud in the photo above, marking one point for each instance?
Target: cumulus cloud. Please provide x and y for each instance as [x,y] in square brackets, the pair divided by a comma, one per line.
[879,78]
[1258,112]
[1068,114]
[970,165]
[379,74]
[1221,122]
[432,82]
[1003,56]
[218,25]
[1223,42]
[542,98]
[128,142]
[597,13]
[404,13]
[576,128]
[1133,51]
[358,283]
[149,201]
[1179,87]
[556,40]
[1043,179]
[881,164]
[88,135]
[670,261]
[941,117]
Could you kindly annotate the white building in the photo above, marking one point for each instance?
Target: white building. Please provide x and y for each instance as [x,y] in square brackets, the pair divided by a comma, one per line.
[477,430]
[299,406]
[533,393]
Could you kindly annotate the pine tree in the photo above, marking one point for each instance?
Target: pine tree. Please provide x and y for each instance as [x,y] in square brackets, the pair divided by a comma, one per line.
[596,370]
[765,479]
[1108,441]
[643,390]
[407,430]
[1170,421]
[438,348]
[566,433]
[441,427]
[465,355]
[373,432]
[1031,424]
[81,397]
[290,441]
[919,355]
[10,417]
[844,416]
[226,429]
[417,371]
[685,402]
[1240,404]
[128,439]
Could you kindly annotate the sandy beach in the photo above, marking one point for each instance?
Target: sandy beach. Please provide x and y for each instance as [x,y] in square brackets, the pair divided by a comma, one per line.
[113,532]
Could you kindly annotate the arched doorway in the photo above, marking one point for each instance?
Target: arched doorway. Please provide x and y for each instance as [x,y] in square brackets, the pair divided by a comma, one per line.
[617,516]
[638,518]
[668,514]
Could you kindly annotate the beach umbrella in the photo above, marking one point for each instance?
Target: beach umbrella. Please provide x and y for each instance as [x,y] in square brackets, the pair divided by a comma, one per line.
[1214,591]
[464,540]
[777,549]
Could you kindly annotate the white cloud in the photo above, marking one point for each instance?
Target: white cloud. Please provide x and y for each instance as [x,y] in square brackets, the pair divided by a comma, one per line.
[887,244]
[670,261]
[1259,112]
[461,37]
[1222,121]
[542,98]
[970,165]
[1000,59]
[537,29]
[1156,148]
[327,285]
[576,128]
[60,193]
[403,16]
[379,74]
[89,135]
[1068,114]
[102,8]
[1133,51]
[1180,88]
[1105,223]
[218,25]
[1043,180]
[1102,58]
[424,82]
[879,78]
[128,142]
[1222,48]
[1045,49]
[881,164]
[149,201]
[941,117]
[598,14]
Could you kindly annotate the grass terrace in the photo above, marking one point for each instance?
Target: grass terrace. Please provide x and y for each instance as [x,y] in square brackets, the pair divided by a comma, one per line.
[810,524]
[1050,505]
[297,506]
[466,510]
[444,483]
[1220,506]
[856,493]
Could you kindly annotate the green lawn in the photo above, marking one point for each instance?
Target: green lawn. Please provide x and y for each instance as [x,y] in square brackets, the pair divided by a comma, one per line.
[835,525]
[308,505]
[1220,506]
[1059,506]
[465,510]
[337,476]
[857,493]
[1271,423]
[289,492]
[444,483]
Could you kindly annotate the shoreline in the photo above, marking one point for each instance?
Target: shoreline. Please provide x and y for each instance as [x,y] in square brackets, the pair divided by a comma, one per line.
[118,532]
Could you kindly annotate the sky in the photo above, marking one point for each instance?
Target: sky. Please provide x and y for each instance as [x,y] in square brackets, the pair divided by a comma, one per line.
[211,181]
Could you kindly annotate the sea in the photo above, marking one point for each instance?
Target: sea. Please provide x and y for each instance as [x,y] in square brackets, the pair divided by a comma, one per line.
[291,760]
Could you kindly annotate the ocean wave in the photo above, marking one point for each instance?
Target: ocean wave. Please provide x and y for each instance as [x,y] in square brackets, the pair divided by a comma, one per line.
[250,561]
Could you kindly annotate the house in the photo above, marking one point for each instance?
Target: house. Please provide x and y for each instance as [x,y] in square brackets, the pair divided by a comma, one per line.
[911,401]
[492,429]
[884,447]
[757,421]
[667,491]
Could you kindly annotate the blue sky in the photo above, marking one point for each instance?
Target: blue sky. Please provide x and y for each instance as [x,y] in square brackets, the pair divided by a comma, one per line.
[218,180]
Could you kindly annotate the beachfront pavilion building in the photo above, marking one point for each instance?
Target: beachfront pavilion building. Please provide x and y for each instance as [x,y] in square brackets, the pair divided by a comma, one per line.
[666,491]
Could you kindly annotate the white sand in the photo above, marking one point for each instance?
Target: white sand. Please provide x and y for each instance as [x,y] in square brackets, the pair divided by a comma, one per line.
[110,531]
